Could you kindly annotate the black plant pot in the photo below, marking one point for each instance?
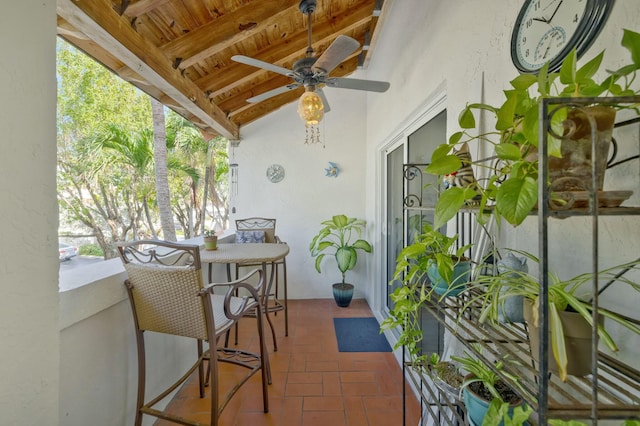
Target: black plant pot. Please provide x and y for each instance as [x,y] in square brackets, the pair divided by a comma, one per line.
[343,293]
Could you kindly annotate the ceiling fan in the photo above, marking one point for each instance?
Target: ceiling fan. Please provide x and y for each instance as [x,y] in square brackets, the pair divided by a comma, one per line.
[312,72]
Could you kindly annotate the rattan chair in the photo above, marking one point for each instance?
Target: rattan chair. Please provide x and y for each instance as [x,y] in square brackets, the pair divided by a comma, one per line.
[269,227]
[165,288]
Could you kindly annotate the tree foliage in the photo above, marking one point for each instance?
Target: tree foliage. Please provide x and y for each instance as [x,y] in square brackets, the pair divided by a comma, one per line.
[106,181]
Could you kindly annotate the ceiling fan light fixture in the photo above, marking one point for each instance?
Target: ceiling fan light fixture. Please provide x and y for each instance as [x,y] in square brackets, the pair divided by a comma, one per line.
[310,108]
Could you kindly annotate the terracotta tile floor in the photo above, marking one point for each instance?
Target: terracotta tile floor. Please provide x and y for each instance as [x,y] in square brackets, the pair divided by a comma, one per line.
[313,383]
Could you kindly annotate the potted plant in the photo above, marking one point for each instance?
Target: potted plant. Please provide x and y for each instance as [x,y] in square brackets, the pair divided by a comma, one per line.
[210,240]
[431,264]
[340,238]
[445,375]
[570,351]
[512,187]
[482,388]
[437,257]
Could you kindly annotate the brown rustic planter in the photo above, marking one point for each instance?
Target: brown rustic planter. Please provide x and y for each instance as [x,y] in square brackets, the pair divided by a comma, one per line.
[573,171]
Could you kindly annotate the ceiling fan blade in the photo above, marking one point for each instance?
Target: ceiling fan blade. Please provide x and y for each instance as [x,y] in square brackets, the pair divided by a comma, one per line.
[272,93]
[261,64]
[325,102]
[357,84]
[340,49]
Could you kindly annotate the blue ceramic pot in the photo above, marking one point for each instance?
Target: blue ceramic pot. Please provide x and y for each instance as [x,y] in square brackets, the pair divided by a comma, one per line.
[461,274]
[343,293]
[477,407]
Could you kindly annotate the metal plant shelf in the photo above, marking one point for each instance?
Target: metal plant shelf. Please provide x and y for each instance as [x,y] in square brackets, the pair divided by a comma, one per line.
[438,405]
[619,385]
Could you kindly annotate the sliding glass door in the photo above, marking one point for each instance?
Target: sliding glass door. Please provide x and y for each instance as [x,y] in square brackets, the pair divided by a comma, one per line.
[409,192]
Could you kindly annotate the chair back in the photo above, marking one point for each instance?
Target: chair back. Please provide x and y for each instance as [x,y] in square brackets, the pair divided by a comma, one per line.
[259,224]
[164,284]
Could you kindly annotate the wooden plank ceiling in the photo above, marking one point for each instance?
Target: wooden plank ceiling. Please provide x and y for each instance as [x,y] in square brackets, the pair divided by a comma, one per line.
[179,51]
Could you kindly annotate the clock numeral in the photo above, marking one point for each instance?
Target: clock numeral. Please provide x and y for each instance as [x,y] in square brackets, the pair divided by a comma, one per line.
[575,18]
[529,22]
[524,40]
[536,5]
[526,53]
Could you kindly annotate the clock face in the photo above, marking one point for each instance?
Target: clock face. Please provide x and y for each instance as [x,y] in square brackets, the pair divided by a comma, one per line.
[547,30]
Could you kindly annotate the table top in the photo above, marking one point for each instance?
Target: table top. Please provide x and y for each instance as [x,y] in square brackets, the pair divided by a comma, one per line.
[245,253]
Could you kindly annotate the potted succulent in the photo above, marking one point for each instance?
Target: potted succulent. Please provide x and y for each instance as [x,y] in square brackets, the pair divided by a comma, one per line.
[570,316]
[341,238]
[512,187]
[487,398]
[210,240]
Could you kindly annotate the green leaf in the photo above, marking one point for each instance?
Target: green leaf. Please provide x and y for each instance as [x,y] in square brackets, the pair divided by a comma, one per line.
[530,125]
[340,220]
[448,204]
[524,81]
[516,198]
[494,415]
[506,113]
[631,41]
[444,165]
[346,258]
[318,262]
[455,138]
[441,151]
[362,245]
[588,70]
[466,120]
[508,151]
[555,147]
[557,341]
[544,81]
[568,68]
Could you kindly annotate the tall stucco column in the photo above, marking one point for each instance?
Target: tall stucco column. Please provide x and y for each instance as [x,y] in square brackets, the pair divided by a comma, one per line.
[29,330]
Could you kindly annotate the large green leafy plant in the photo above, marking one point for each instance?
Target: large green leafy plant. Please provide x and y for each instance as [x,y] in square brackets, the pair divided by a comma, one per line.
[341,238]
[512,187]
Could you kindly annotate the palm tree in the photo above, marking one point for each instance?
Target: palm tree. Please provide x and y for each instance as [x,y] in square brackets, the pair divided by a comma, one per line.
[163,195]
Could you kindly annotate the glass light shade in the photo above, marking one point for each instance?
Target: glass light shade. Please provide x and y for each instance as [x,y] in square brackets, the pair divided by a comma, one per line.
[310,108]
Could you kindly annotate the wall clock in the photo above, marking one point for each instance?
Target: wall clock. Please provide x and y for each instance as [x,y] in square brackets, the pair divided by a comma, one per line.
[547,31]
[275,173]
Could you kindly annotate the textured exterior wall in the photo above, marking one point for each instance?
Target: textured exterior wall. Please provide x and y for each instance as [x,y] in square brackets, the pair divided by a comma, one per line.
[29,338]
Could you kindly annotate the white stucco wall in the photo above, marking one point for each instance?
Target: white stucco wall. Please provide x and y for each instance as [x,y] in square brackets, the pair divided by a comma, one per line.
[29,338]
[306,196]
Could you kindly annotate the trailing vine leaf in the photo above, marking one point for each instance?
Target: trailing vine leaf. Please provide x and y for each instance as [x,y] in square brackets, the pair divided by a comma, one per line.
[516,198]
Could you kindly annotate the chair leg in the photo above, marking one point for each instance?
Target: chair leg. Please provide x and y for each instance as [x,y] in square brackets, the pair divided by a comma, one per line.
[265,304]
[141,377]
[286,307]
[264,361]
[213,368]
[201,371]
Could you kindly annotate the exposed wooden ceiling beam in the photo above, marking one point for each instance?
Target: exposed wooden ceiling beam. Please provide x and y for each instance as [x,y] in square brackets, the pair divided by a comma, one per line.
[225,31]
[143,6]
[234,75]
[98,19]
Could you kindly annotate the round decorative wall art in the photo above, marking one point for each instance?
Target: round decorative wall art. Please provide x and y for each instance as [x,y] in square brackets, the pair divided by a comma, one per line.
[275,173]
